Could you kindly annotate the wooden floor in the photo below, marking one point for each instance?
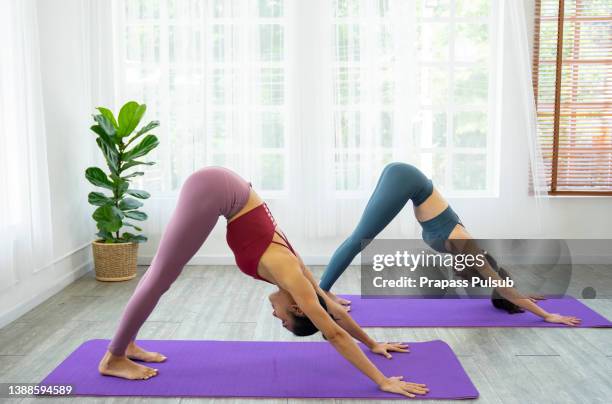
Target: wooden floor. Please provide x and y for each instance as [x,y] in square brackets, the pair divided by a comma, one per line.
[506,365]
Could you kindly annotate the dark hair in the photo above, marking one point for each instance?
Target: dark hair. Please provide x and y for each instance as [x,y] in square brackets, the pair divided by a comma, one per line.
[303,327]
[498,301]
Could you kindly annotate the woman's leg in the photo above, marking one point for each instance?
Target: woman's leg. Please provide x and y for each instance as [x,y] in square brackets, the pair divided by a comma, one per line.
[193,219]
[397,184]
[198,208]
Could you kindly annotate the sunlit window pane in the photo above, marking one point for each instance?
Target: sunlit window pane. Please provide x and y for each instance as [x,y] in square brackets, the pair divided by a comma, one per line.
[386,129]
[272,86]
[469,172]
[144,43]
[346,8]
[472,8]
[271,42]
[433,85]
[470,129]
[348,84]
[471,42]
[430,129]
[272,172]
[471,86]
[272,131]
[347,46]
[348,129]
[141,10]
[435,165]
[433,8]
[270,8]
[433,41]
[347,171]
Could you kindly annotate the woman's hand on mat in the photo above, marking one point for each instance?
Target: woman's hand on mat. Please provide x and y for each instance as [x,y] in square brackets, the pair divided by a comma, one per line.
[535,298]
[337,311]
[341,301]
[386,347]
[396,385]
[559,319]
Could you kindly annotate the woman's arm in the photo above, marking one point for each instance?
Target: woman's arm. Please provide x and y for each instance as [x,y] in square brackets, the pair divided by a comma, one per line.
[344,320]
[341,317]
[469,246]
[305,296]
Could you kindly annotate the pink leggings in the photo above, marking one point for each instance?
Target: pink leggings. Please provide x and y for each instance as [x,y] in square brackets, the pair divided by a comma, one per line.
[206,194]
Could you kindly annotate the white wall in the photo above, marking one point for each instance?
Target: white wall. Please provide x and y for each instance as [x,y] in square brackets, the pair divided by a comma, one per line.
[67,104]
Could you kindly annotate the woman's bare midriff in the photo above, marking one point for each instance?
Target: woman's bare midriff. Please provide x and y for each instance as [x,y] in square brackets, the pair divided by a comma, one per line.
[432,207]
[253,202]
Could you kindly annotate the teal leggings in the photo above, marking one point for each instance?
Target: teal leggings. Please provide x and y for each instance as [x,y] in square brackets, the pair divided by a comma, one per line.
[397,184]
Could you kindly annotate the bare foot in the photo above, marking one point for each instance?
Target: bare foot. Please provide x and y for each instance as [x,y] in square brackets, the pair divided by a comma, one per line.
[121,366]
[135,352]
[339,300]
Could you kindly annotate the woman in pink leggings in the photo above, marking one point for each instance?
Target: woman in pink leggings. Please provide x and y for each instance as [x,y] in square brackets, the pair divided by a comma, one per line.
[263,252]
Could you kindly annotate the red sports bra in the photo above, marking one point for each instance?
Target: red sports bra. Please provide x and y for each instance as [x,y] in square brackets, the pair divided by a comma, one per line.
[250,235]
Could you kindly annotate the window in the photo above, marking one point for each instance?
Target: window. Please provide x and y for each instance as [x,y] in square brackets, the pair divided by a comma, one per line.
[572,81]
[214,74]
[414,82]
[409,81]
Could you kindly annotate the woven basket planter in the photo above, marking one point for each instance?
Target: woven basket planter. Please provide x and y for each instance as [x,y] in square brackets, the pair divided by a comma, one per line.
[114,262]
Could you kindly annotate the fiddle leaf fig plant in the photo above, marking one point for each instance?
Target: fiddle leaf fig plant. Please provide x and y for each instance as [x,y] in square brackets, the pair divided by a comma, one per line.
[122,146]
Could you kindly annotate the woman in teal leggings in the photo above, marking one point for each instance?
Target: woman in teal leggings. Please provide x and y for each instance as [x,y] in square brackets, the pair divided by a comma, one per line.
[442,231]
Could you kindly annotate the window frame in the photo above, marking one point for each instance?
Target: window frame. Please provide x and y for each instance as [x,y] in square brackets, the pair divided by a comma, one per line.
[558,88]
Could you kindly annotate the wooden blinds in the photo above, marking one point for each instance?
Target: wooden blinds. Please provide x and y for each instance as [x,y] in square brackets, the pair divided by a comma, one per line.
[572,79]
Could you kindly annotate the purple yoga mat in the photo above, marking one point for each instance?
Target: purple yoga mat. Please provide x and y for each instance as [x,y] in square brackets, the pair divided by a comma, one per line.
[413,312]
[264,369]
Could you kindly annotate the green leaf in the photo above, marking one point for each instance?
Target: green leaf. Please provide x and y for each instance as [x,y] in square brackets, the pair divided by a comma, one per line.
[106,125]
[133,163]
[134,174]
[97,177]
[129,118]
[132,225]
[139,193]
[105,137]
[123,186]
[105,235]
[108,218]
[110,155]
[136,215]
[98,199]
[108,114]
[129,204]
[139,238]
[147,144]
[129,237]
[148,127]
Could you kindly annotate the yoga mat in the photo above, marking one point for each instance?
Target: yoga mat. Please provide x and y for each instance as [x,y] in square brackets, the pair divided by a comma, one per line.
[264,369]
[413,312]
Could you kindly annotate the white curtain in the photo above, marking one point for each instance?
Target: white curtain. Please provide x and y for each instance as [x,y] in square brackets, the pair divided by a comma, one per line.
[25,207]
[309,100]
[518,18]
[518,21]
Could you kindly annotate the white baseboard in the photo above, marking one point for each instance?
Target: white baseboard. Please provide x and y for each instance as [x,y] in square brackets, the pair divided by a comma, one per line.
[17,311]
